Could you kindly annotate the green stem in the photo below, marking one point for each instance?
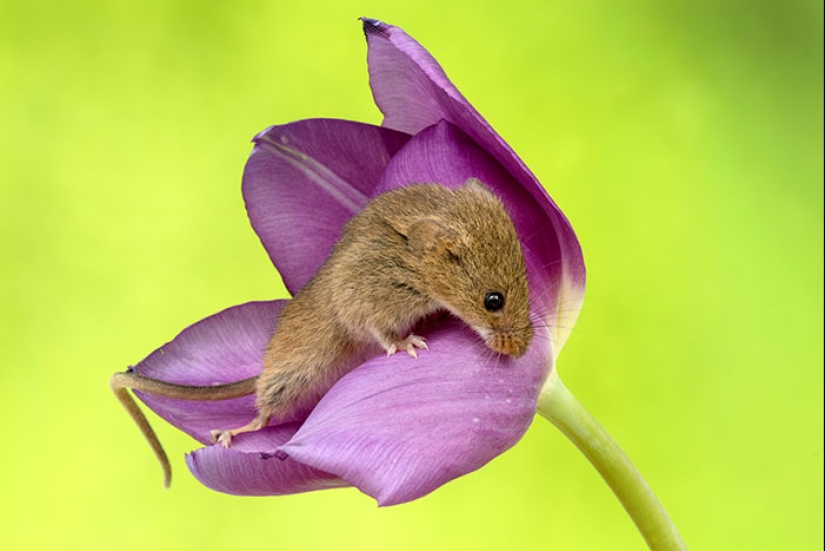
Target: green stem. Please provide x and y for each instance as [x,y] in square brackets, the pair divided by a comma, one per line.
[560,407]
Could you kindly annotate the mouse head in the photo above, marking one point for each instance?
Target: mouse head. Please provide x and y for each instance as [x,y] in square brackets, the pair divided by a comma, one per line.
[474,266]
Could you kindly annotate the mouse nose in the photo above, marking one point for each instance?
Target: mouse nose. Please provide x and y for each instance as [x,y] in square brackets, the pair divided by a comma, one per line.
[509,343]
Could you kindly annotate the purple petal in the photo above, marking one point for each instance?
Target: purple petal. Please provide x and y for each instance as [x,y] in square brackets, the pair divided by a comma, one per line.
[397,427]
[245,470]
[413,92]
[304,180]
[409,86]
[222,348]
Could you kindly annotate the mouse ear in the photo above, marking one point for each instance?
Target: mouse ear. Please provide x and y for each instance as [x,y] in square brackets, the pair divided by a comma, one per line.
[475,184]
[426,234]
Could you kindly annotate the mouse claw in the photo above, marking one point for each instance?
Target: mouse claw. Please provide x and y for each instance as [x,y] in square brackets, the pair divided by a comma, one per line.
[408,345]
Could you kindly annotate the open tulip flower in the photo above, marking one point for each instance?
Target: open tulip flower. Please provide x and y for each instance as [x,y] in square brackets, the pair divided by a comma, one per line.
[394,427]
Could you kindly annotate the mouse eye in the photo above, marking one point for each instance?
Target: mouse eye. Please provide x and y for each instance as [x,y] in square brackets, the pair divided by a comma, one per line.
[493,301]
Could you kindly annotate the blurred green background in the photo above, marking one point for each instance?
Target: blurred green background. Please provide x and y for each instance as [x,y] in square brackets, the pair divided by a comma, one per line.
[683,140]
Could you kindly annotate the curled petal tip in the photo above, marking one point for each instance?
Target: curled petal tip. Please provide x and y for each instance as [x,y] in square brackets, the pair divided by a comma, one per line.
[373,26]
[259,136]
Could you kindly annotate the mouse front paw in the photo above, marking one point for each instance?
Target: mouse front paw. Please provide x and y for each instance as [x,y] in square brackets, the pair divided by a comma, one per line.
[409,345]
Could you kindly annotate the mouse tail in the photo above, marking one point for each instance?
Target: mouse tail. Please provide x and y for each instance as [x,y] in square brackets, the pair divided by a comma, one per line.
[120,384]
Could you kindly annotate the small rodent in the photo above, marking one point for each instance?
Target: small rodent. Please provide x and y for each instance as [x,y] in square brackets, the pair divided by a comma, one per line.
[410,252]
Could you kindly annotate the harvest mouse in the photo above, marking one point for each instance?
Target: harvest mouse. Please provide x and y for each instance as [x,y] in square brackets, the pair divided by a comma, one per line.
[409,252]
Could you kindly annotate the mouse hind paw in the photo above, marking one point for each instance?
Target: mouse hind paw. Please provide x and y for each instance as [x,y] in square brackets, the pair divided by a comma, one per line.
[224,437]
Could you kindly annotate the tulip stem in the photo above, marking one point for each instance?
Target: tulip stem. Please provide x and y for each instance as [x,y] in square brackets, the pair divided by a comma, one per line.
[560,407]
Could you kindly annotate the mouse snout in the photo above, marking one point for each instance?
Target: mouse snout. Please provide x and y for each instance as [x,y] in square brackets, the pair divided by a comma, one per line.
[510,342]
